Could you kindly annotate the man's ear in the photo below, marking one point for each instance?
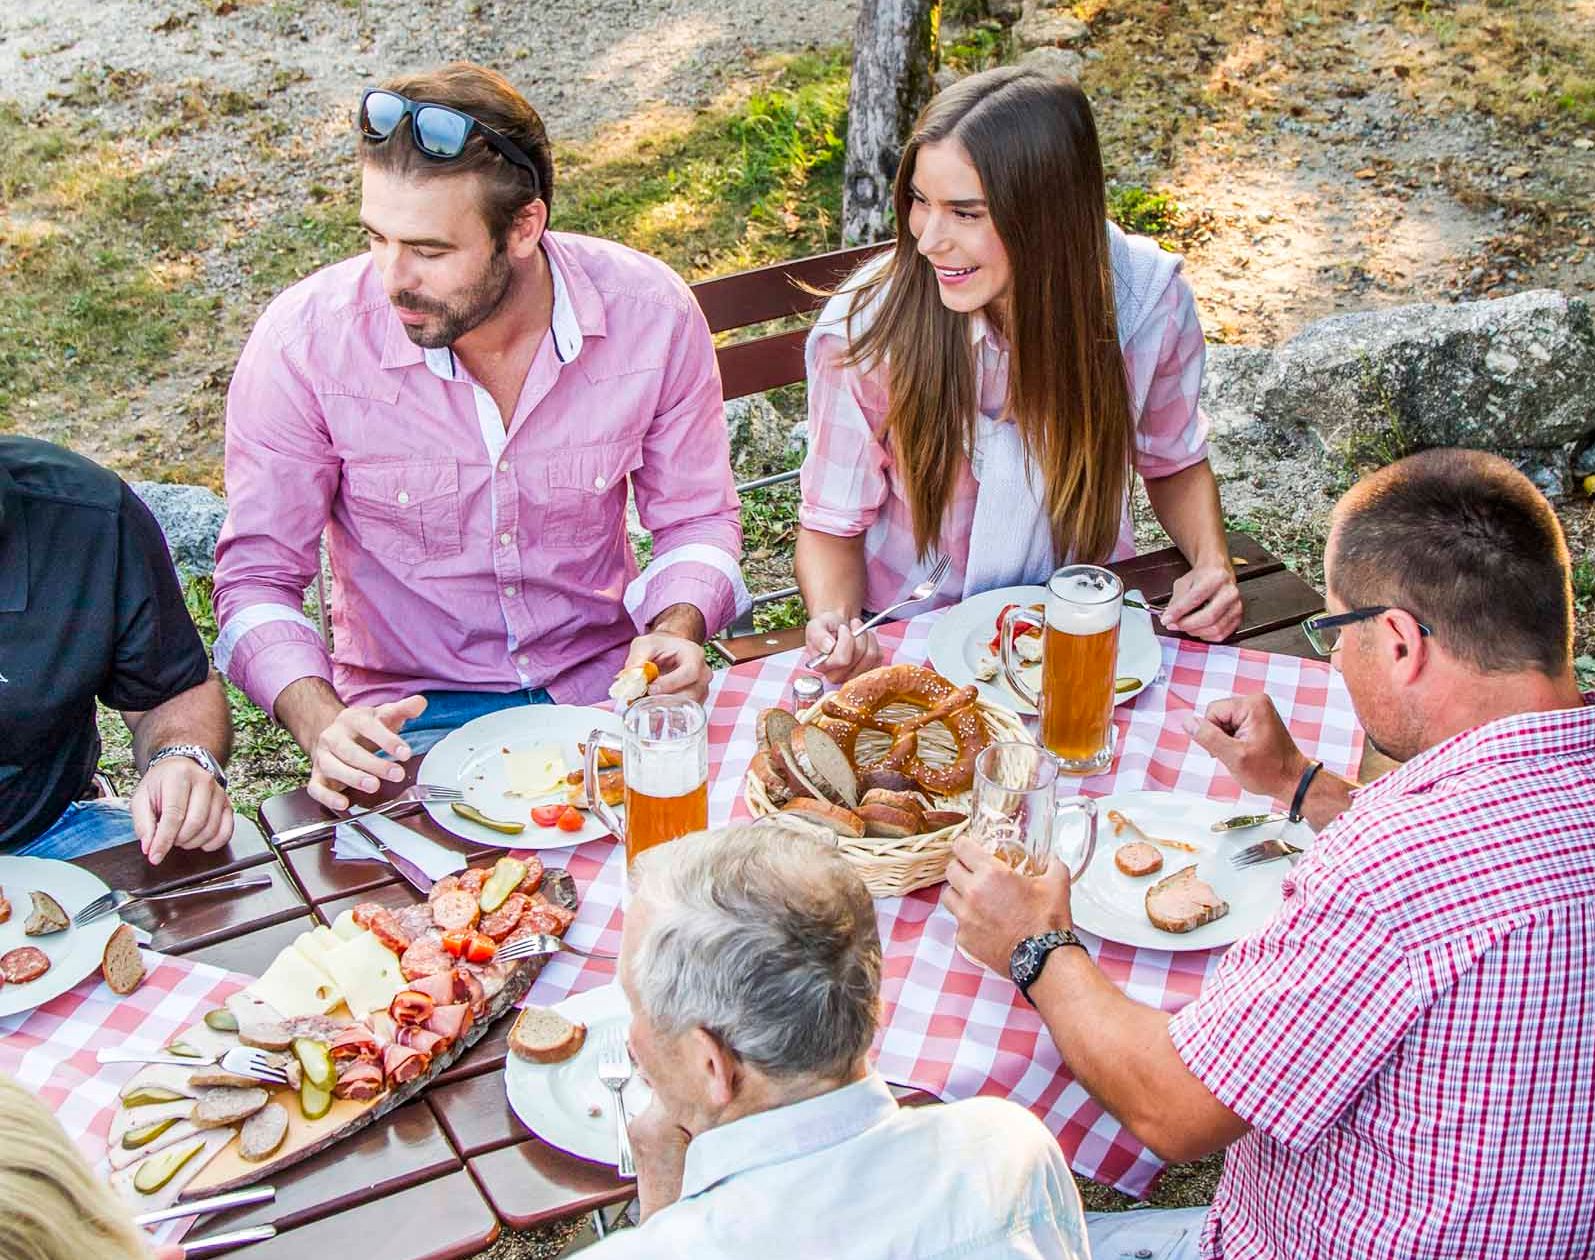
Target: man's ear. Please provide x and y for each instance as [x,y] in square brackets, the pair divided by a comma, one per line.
[1409,648]
[719,1068]
[526,230]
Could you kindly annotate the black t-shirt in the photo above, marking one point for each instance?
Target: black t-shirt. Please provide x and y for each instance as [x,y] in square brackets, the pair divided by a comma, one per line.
[89,606]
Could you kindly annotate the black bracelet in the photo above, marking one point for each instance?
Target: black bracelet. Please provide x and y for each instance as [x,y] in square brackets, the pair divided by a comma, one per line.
[1301,789]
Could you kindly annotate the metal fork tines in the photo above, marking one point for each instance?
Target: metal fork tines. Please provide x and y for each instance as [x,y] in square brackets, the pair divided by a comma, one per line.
[614,1070]
[544,943]
[923,591]
[118,898]
[240,1061]
[1263,851]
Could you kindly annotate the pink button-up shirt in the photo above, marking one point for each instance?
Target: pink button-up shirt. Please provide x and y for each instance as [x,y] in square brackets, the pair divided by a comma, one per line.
[850,480]
[1412,1036]
[468,556]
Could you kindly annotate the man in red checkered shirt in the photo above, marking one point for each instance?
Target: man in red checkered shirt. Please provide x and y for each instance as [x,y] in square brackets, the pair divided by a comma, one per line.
[1401,1063]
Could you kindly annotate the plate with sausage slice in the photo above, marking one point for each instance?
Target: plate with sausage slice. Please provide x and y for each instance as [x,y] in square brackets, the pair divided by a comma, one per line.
[43,964]
[1162,877]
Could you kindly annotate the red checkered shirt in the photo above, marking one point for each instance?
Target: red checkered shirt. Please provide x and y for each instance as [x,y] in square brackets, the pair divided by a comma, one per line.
[1412,1038]
[850,480]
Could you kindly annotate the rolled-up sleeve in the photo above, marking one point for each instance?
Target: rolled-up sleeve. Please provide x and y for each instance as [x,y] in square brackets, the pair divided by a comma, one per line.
[685,493]
[843,479]
[281,474]
[1171,433]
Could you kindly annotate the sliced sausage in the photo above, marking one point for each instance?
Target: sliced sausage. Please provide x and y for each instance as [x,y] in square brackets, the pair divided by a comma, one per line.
[263,1133]
[1138,858]
[471,881]
[24,963]
[456,911]
[502,921]
[444,886]
[386,928]
[533,879]
[426,957]
[415,921]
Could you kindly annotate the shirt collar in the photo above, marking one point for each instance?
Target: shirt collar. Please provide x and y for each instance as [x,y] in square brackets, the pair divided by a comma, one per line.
[1549,734]
[980,329]
[786,1133]
[578,312]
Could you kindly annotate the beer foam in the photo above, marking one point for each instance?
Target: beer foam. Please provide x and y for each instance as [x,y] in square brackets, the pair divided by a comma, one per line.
[1077,606]
[668,771]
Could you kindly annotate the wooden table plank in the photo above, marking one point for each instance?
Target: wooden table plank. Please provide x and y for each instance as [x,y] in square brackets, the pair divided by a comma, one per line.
[322,877]
[476,1114]
[254,951]
[531,1183]
[442,1219]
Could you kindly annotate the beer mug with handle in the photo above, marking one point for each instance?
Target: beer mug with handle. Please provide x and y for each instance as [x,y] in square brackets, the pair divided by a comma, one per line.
[665,763]
[1079,660]
[1016,811]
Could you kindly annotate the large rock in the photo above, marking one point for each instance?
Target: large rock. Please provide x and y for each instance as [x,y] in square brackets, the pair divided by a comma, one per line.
[1515,374]
[1054,62]
[1042,26]
[191,518]
[758,436]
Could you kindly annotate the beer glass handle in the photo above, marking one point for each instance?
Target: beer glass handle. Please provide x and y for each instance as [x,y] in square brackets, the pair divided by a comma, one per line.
[1088,807]
[595,799]
[1005,640]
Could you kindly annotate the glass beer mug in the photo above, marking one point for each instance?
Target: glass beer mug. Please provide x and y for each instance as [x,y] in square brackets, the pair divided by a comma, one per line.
[1016,811]
[665,763]
[1079,661]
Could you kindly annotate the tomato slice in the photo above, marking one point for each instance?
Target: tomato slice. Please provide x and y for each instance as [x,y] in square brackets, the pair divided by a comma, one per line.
[480,948]
[571,819]
[456,942]
[548,815]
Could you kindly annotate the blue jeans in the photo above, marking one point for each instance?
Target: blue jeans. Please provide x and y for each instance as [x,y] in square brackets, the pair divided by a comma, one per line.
[84,827]
[448,710]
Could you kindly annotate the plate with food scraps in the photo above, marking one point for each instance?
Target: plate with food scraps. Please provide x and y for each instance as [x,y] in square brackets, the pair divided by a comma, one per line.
[72,953]
[565,1103]
[513,761]
[959,646]
[1173,832]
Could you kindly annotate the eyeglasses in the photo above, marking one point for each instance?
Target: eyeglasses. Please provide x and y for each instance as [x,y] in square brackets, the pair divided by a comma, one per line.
[1323,631]
[438,131]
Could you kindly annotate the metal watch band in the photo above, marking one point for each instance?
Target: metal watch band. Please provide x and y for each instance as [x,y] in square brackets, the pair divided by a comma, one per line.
[1030,956]
[202,757]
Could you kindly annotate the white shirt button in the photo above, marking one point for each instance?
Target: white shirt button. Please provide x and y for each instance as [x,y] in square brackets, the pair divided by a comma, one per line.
[521,660]
[598,483]
[503,465]
[404,496]
[510,591]
[504,539]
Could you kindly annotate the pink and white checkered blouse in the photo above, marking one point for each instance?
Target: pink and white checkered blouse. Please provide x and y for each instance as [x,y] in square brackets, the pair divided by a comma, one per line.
[850,481]
[1412,1038]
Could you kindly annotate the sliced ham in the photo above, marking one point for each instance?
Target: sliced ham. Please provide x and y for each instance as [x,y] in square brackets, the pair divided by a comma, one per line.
[468,989]
[360,1080]
[441,988]
[450,1021]
[403,1063]
[354,1042]
[410,1007]
[423,1039]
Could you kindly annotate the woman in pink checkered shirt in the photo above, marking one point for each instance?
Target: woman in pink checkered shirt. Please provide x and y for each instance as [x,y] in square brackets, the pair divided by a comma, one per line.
[969,394]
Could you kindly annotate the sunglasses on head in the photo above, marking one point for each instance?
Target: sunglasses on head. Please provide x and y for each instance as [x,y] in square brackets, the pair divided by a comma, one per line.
[438,131]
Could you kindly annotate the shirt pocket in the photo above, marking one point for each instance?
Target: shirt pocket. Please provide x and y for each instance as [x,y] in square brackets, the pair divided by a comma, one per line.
[586,491]
[406,509]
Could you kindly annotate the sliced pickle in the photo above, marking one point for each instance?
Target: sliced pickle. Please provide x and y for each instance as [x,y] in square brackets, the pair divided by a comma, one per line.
[316,1059]
[472,814]
[158,1169]
[183,1050]
[505,879]
[1126,683]
[314,1102]
[149,1095]
[143,1136]
[221,1020]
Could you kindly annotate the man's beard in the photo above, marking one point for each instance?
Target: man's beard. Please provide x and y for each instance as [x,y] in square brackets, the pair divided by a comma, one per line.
[457,317]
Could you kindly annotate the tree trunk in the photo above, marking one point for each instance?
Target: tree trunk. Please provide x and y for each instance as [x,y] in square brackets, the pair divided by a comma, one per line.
[892,65]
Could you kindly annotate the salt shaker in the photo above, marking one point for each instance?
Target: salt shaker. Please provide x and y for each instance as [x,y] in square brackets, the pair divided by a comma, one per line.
[807,691]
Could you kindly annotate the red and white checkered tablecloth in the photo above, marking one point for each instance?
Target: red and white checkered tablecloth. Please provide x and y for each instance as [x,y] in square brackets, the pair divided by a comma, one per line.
[952,1028]
[51,1048]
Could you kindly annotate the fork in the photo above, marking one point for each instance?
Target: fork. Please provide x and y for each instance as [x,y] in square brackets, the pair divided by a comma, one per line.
[240,1061]
[536,943]
[614,1070]
[118,898]
[1263,851]
[416,793]
[921,592]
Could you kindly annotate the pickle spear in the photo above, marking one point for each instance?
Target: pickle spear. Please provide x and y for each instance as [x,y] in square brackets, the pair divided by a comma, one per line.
[505,879]
[158,1169]
[145,1134]
[149,1095]
[471,814]
[221,1020]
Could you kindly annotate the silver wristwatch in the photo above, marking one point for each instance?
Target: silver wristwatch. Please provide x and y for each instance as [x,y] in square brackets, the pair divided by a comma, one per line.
[193,752]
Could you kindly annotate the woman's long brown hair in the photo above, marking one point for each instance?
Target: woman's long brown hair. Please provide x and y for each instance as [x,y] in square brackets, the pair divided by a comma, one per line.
[1033,142]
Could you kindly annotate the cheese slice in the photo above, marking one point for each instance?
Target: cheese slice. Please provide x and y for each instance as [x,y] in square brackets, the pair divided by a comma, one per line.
[367,972]
[293,985]
[344,927]
[314,951]
[535,771]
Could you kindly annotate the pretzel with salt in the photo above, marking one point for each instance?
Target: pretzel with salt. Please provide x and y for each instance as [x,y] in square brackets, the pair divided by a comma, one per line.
[852,710]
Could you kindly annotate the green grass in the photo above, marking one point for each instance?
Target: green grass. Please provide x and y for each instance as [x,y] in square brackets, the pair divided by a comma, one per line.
[1143,210]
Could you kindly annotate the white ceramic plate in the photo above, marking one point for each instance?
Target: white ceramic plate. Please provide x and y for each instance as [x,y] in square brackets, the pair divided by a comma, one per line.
[557,1101]
[1112,905]
[74,953]
[959,640]
[472,759]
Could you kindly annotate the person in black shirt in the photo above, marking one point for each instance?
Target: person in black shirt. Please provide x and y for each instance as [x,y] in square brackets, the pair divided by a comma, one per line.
[90,607]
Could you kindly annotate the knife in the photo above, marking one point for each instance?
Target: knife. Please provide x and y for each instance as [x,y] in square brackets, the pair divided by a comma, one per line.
[395,808]
[418,879]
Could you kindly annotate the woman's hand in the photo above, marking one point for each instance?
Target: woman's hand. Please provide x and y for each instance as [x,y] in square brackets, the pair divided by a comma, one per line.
[1205,604]
[850,652]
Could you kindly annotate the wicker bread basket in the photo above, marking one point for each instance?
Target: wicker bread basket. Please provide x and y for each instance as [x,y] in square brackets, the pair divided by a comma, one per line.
[894,867]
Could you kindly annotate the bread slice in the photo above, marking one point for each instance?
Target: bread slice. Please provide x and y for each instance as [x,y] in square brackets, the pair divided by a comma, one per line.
[1182,903]
[937,819]
[541,1035]
[47,916]
[800,783]
[885,780]
[773,781]
[891,823]
[121,964]
[821,758]
[774,727]
[844,822]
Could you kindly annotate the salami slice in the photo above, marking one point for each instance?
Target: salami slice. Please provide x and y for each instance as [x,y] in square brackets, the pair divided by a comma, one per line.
[456,911]
[24,964]
[533,879]
[544,918]
[444,886]
[502,921]
[385,926]
[471,881]
[426,957]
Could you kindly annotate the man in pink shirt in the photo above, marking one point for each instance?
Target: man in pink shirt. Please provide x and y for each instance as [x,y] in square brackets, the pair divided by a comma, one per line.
[460,412]
[1399,1061]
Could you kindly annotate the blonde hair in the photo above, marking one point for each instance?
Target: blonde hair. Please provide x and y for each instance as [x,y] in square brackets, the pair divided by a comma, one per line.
[53,1206]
